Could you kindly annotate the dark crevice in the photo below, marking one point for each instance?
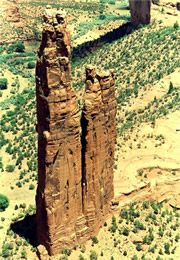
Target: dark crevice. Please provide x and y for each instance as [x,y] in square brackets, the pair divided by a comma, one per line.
[84,124]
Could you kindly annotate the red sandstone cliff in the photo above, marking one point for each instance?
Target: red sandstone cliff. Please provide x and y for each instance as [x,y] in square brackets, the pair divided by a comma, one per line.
[98,142]
[59,196]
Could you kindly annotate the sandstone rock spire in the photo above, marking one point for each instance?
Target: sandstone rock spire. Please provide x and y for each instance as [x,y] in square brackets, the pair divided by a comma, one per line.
[75,176]
[59,196]
[140,12]
[98,142]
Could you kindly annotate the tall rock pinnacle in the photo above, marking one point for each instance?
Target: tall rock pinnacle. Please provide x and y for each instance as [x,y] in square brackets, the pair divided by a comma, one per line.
[98,142]
[59,196]
[75,176]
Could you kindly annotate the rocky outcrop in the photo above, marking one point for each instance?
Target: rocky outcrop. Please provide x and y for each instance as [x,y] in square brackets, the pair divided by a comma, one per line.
[98,141]
[75,177]
[59,196]
[12,14]
[140,12]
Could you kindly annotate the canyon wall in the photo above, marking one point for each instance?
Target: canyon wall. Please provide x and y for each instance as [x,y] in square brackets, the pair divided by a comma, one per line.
[140,12]
[75,176]
[98,142]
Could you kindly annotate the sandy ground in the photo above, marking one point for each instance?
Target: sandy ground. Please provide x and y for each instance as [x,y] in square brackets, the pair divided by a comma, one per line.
[128,185]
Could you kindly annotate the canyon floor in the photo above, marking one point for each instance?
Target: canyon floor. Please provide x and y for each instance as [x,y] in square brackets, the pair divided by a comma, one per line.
[147,165]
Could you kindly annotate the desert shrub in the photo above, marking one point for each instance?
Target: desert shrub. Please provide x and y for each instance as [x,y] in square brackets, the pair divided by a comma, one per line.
[3,83]
[4,202]
[83,248]
[31,65]
[31,186]
[23,253]
[177,237]
[6,250]
[140,172]
[112,2]
[145,205]
[113,228]
[125,232]
[166,247]
[176,25]
[93,255]
[125,253]
[138,247]
[67,251]
[124,213]
[81,257]
[170,88]
[17,47]
[10,168]
[94,240]
[1,49]
[18,184]
[102,16]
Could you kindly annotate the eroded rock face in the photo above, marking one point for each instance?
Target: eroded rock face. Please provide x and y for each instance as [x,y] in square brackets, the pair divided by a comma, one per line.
[98,141]
[59,196]
[75,177]
[12,14]
[140,12]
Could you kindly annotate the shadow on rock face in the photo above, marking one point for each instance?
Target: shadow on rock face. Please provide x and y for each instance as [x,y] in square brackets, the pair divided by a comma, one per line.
[26,228]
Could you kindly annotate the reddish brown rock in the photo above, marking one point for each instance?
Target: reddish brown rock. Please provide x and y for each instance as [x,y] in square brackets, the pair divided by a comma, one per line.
[140,12]
[12,14]
[59,196]
[98,141]
[75,178]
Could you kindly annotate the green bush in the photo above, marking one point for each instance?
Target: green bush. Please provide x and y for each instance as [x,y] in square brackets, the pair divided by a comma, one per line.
[125,232]
[31,186]
[112,2]
[124,213]
[95,240]
[4,202]
[81,257]
[176,25]
[16,47]
[3,83]
[93,255]
[31,65]
[166,247]
[10,168]
[102,16]
[171,87]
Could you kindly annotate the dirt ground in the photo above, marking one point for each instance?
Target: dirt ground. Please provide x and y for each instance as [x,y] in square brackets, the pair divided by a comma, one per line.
[156,161]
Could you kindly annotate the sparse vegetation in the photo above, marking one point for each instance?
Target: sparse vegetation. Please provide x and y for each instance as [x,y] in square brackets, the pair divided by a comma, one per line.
[141,59]
[4,202]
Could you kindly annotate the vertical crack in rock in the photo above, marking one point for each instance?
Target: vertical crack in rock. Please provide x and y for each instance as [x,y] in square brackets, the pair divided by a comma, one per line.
[59,202]
[140,12]
[98,141]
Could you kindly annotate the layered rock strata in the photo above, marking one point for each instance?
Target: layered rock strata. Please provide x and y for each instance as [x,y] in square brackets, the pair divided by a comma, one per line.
[75,176]
[140,12]
[59,195]
[98,141]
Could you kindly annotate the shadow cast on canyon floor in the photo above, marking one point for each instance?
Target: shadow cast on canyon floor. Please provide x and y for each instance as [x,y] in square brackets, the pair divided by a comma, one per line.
[87,47]
[26,228]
